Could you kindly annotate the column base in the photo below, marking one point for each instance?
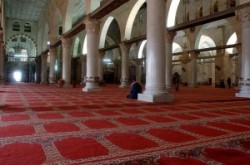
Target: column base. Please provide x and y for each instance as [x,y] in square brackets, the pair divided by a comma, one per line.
[155,98]
[193,86]
[245,95]
[43,83]
[67,85]
[91,89]
[123,85]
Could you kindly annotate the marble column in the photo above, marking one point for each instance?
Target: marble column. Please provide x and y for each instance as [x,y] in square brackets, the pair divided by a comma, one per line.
[244,81]
[66,61]
[2,61]
[38,69]
[193,82]
[100,65]
[239,68]
[169,55]
[83,60]
[52,77]
[138,64]
[125,65]
[155,88]
[44,69]
[2,57]
[92,78]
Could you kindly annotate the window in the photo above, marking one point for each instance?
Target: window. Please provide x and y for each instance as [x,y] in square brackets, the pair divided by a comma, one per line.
[16,26]
[187,16]
[23,39]
[27,27]
[216,7]
[60,30]
[232,3]
[201,12]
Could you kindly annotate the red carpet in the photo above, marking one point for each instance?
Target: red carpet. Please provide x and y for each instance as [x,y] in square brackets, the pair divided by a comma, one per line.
[98,124]
[83,148]
[60,127]
[16,130]
[171,135]
[228,156]
[204,125]
[180,161]
[22,154]
[127,141]
[203,130]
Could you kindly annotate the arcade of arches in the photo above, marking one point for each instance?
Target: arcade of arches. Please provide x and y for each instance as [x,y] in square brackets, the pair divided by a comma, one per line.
[93,41]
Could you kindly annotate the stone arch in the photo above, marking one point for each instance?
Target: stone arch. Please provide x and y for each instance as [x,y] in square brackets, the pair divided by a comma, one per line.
[233,39]
[172,11]
[105,31]
[131,18]
[72,14]
[32,49]
[218,23]
[84,46]
[141,49]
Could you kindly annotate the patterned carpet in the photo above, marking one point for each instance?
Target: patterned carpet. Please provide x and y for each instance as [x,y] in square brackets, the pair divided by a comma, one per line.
[48,125]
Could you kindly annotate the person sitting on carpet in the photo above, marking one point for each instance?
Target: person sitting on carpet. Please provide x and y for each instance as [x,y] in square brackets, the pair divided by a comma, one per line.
[135,88]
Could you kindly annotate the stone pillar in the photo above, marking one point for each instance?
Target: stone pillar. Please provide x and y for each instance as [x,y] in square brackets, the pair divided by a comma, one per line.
[155,89]
[44,69]
[52,77]
[239,68]
[219,76]
[38,69]
[92,78]
[2,57]
[244,81]
[193,82]
[66,61]
[125,65]
[138,64]
[2,61]
[100,64]
[169,55]
[83,60]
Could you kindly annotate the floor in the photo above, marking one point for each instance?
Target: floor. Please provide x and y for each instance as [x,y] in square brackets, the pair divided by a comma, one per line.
[49,125]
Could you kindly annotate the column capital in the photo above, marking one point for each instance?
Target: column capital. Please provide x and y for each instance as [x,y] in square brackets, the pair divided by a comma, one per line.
[92,25]
[52,51]
[101,53]
[44,55]
[244,16]
[170,35]
[2,44]
[66,42]
[194,54]
[124,46]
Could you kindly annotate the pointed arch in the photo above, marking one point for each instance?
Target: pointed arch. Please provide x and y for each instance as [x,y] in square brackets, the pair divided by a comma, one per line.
[232,40]
[84,47]
[105,31]
[131,18]
[172,13]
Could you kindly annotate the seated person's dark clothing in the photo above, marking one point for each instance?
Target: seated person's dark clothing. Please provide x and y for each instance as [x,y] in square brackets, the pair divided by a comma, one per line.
[134,90]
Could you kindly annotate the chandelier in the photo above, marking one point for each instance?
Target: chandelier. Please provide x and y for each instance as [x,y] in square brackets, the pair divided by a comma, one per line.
[185,57]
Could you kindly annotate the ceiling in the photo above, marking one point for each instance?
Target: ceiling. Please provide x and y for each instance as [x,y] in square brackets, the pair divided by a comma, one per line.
[25,9]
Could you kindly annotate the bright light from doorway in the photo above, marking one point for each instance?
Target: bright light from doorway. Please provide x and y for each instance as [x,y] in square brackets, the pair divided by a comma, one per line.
[17,76]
